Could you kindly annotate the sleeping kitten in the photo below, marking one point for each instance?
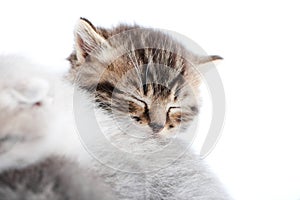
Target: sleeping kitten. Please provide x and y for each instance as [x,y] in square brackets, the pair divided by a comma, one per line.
[145,89]
[30,136]
[23,100]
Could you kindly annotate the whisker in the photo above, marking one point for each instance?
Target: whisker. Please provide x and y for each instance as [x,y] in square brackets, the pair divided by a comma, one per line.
[138,72]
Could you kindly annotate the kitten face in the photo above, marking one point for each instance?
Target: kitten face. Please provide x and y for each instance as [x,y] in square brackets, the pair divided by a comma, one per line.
[23,111]
[153,89]
[162,103]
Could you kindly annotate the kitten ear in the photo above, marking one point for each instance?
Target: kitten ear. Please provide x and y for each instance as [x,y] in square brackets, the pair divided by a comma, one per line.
[202,63]
[87,39]
[206,59]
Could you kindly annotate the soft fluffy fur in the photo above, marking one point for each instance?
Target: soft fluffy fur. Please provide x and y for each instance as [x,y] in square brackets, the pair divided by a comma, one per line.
[30,137]
[53,178]
[24,112]
[145,87]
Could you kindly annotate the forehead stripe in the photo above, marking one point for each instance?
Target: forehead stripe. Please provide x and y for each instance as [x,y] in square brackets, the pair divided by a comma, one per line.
[108,88]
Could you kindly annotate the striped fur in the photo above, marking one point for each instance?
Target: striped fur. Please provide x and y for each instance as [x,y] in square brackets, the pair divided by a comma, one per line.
[141,73]
[145,86]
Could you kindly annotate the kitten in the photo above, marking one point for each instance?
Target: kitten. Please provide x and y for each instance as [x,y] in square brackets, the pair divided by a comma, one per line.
[23,100]
[145,86]
[30,136]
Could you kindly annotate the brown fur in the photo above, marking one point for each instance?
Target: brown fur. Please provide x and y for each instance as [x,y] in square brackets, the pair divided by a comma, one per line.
[145,84]
[137,72]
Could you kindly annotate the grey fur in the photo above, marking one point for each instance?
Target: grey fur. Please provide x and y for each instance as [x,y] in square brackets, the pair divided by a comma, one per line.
[186,177]
[54,178]
[153,165]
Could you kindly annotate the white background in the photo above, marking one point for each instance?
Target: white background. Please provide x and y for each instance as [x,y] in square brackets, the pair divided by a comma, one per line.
[257,156]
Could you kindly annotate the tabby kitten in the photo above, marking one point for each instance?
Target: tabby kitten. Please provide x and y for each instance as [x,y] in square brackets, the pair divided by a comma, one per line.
[144,84]
[30,140]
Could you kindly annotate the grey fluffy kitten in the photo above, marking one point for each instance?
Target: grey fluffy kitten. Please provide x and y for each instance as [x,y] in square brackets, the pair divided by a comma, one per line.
[29,138]
[144,85]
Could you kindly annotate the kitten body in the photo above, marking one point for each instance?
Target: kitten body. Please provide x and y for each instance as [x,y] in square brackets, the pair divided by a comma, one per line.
[144,85]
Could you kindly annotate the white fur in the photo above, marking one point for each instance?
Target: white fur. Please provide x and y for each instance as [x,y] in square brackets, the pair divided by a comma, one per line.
[36,131]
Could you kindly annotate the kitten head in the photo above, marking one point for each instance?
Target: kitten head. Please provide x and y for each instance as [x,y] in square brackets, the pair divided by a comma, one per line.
[24,114]
[22,110]
[144,78]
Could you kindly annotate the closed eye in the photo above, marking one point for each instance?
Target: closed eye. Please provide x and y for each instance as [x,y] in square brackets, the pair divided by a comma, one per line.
[141,101]
[146,109]
[173,107]
[136,118]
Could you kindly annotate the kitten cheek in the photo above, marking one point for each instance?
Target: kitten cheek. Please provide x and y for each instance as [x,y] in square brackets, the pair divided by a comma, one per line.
[168,133]
[7,102]
[174,122]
